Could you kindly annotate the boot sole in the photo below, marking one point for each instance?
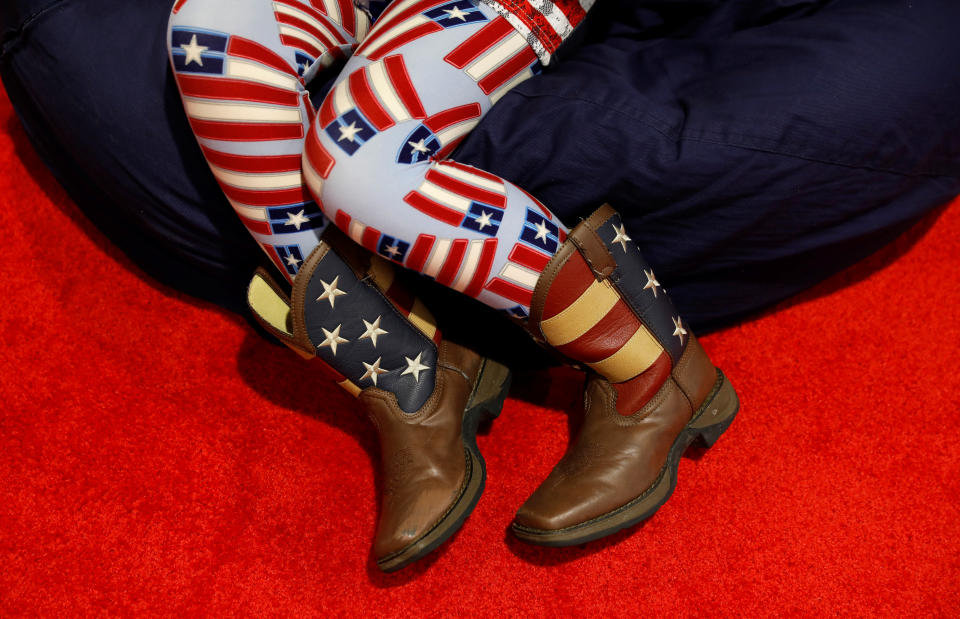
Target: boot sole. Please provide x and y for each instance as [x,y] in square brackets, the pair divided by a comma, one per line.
[710,421]
[485,403]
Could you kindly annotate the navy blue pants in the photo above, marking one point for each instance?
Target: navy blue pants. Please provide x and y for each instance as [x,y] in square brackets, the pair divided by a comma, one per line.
[754,147]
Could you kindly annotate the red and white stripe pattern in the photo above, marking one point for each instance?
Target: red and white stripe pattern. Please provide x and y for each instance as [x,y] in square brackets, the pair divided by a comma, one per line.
[544,24]
[353,20]
[497,58]
[315,34]
[253,183]
[382,91]
[361,233]
[258,97]
[449,188]
[461,264]
[519,275]
[451,126]
[401,23]
[317,164]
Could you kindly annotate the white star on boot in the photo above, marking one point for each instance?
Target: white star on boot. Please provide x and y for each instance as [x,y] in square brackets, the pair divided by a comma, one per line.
[414,367]
[373,330]
[652,282]
[330,291]
[621,237]
[332,339]
[678,330]
[373,370]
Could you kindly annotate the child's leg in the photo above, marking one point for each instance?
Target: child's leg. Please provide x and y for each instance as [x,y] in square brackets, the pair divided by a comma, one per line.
[375,157]
[241,67]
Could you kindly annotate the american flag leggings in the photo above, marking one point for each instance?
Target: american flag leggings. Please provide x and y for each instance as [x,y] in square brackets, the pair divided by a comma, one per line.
[373,158]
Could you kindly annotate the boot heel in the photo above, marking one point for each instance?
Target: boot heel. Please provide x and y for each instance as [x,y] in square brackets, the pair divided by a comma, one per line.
[716,414]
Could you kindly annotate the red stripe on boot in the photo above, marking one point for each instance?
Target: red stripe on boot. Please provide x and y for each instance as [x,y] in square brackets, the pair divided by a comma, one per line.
[256,225]
[606,337]
[310,29]
[571,282]
[308,106]
[390,18]
[348,18]
[530,258]
[633,394]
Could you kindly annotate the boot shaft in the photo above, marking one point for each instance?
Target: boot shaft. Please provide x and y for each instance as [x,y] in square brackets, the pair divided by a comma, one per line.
[347,308]
[599,303]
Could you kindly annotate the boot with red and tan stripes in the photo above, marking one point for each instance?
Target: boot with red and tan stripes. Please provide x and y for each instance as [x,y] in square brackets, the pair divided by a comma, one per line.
[651,389]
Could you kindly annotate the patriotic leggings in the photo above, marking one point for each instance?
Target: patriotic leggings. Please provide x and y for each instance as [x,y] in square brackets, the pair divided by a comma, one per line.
[373,157]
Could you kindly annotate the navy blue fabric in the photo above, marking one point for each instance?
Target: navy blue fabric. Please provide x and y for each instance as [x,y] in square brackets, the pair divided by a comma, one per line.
[753,147]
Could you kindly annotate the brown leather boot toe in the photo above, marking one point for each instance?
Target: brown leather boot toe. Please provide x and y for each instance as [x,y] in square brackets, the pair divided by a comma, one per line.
[621,469]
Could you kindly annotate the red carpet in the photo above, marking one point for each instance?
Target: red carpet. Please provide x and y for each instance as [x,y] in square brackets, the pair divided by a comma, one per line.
[158,457]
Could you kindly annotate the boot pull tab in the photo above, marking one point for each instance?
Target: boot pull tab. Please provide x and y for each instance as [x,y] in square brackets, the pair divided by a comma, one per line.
[594,251]
[271,308]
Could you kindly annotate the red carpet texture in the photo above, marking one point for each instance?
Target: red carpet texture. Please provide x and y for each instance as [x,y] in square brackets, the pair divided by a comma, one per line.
[157,457]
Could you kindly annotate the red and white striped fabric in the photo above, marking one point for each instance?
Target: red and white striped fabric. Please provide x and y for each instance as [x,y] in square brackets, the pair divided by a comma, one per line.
[545,24]
[449,189]
[304,28]
[519,275]
[461,264]
[382,91]
[497,58]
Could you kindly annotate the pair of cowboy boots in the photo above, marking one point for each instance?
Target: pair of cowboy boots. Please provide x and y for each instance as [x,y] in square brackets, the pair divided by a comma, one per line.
[651,390]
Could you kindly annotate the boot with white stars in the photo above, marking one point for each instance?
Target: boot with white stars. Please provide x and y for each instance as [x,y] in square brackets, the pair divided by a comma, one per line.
[651,389]
[425,395]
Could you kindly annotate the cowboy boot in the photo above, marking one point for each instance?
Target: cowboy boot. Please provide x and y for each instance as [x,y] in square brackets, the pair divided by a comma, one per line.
[425,395]
[651,389]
